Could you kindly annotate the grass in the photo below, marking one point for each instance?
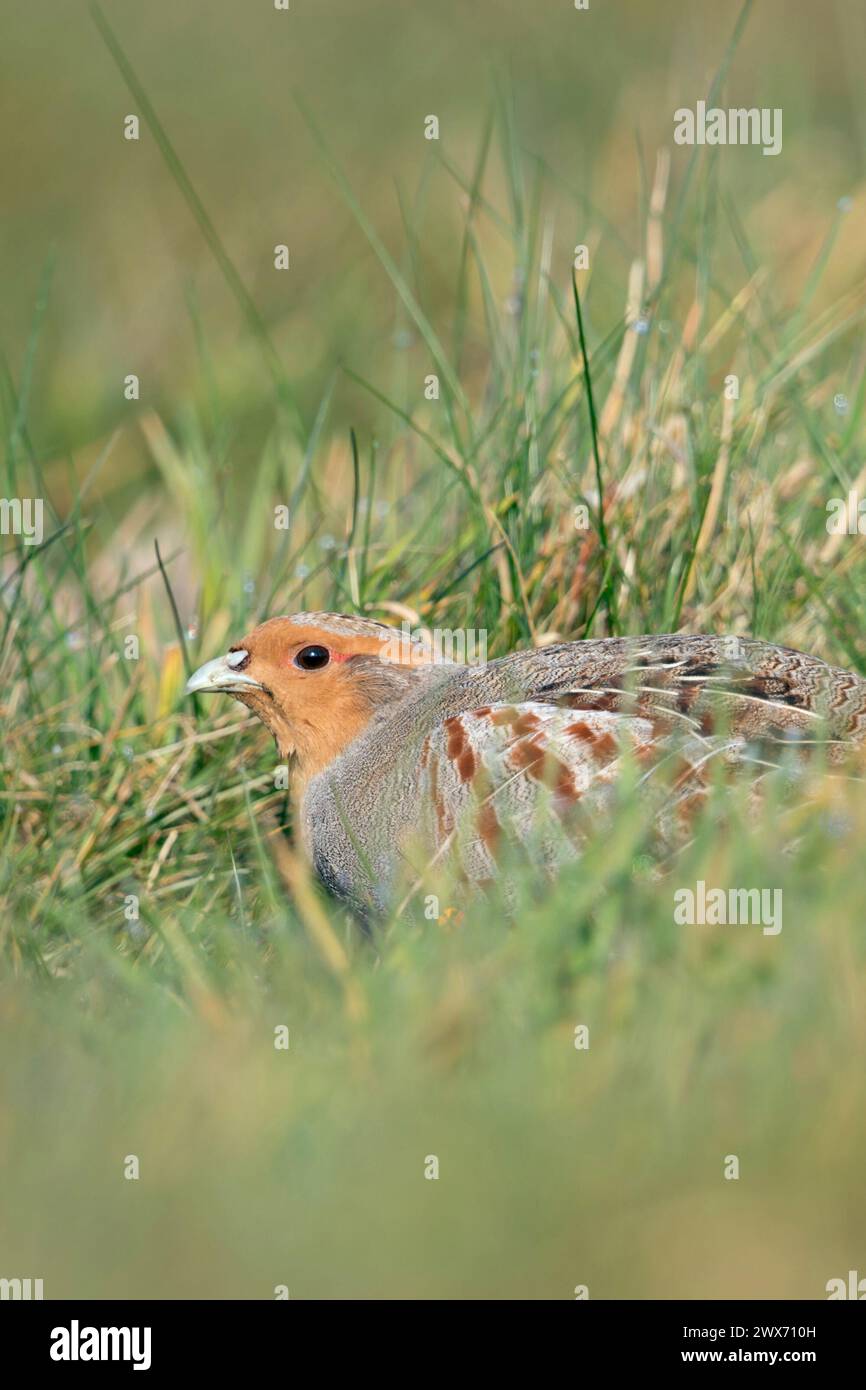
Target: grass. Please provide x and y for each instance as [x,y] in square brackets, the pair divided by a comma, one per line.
[153,1034]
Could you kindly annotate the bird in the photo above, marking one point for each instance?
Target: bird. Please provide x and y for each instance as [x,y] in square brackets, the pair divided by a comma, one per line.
[404,759]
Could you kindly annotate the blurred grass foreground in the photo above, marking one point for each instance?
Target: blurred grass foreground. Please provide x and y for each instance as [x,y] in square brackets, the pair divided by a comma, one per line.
[212,1084]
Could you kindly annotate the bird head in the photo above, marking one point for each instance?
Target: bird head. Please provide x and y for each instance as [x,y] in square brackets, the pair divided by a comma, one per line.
[315,680]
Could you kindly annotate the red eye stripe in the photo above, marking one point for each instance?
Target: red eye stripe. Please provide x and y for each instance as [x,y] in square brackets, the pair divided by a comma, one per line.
[339,656]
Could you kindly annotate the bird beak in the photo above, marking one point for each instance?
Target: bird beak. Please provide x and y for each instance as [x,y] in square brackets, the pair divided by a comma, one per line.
[218,675]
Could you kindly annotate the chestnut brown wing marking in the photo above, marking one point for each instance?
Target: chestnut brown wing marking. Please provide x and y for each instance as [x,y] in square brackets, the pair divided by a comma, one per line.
[488,771]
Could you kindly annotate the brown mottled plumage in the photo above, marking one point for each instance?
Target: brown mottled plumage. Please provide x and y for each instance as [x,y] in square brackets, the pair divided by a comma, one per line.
[395,749]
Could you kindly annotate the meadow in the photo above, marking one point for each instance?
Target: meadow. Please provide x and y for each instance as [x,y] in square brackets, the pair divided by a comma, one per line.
[647,443]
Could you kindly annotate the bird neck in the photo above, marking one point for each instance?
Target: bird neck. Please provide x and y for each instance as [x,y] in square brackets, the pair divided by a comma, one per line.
[315,737]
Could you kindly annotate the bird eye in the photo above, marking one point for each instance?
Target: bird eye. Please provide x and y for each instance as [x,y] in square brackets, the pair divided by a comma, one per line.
[312,658]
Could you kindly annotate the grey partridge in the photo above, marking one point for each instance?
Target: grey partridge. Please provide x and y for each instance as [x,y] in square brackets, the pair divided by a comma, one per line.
[398,753]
